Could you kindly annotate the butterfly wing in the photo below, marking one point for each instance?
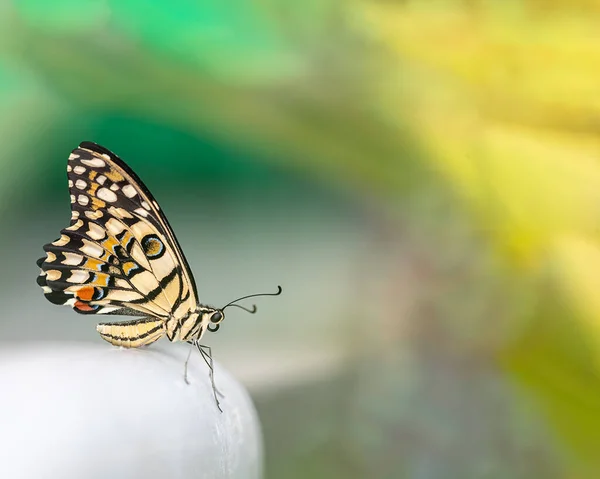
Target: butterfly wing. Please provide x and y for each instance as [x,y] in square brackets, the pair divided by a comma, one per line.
[119,255]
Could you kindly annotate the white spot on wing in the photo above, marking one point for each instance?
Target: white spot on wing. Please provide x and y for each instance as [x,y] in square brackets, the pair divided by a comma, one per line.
[80,184]
[101,179]
[114,226]
[72,259]
[146,205]
[63,240]
[53,275]
[83,200]
[94,215]
[70,183]
[73,156]
[114,187]
[129,191]
[75,226]
[95,162]
[79,276]
[92,249]
[106,195]
[119,212]
[79,170]
[96,231]
[140,211]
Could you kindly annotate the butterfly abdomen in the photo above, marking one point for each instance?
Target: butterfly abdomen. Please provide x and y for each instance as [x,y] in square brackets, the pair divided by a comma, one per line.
[132,334]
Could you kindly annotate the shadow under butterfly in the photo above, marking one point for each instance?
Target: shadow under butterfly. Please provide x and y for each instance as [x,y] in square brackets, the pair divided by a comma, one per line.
[119,256]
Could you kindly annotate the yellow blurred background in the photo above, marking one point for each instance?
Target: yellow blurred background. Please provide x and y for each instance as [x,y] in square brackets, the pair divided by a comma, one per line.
[422,177]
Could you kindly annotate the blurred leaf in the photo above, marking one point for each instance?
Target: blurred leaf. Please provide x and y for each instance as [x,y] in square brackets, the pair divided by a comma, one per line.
[478,87]
[311,113]
[504,97]
[577,273]
[25,111]
[67,16]
[554,359]
[232,38]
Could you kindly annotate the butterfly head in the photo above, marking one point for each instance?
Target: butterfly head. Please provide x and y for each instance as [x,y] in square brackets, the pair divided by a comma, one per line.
[214,316]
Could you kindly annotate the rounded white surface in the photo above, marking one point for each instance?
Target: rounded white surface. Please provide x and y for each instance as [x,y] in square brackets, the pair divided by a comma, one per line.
[79,410]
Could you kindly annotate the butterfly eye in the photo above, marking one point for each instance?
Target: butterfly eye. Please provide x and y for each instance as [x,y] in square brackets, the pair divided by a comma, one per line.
[217,317]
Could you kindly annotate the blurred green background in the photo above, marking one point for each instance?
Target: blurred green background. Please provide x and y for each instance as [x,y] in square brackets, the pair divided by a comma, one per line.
[422,177]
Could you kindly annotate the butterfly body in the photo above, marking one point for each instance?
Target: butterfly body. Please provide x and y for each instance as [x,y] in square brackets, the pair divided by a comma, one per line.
[119,256]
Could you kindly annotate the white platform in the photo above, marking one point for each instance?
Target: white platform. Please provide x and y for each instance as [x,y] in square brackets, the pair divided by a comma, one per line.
[79,410]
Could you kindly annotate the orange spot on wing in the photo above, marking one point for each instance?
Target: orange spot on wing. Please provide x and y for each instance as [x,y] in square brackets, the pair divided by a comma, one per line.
[101,279]
[85,294]
[113,175]
[94,264]
[83,306]
[126,238]
[127,267]
[110,243]
[97,203]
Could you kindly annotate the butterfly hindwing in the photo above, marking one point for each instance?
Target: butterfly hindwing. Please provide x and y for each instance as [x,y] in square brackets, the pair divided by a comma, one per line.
[119,255]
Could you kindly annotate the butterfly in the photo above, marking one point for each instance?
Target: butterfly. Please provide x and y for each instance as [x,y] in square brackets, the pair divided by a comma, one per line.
[119,256]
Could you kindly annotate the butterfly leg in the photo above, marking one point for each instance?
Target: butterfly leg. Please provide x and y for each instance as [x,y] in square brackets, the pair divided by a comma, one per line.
[185,368]
[207,356]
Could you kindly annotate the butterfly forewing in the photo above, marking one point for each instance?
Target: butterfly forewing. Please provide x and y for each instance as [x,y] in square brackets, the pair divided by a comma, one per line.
[119,255]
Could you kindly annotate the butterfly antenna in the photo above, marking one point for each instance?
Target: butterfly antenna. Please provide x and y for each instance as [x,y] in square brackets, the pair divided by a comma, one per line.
[253,310]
